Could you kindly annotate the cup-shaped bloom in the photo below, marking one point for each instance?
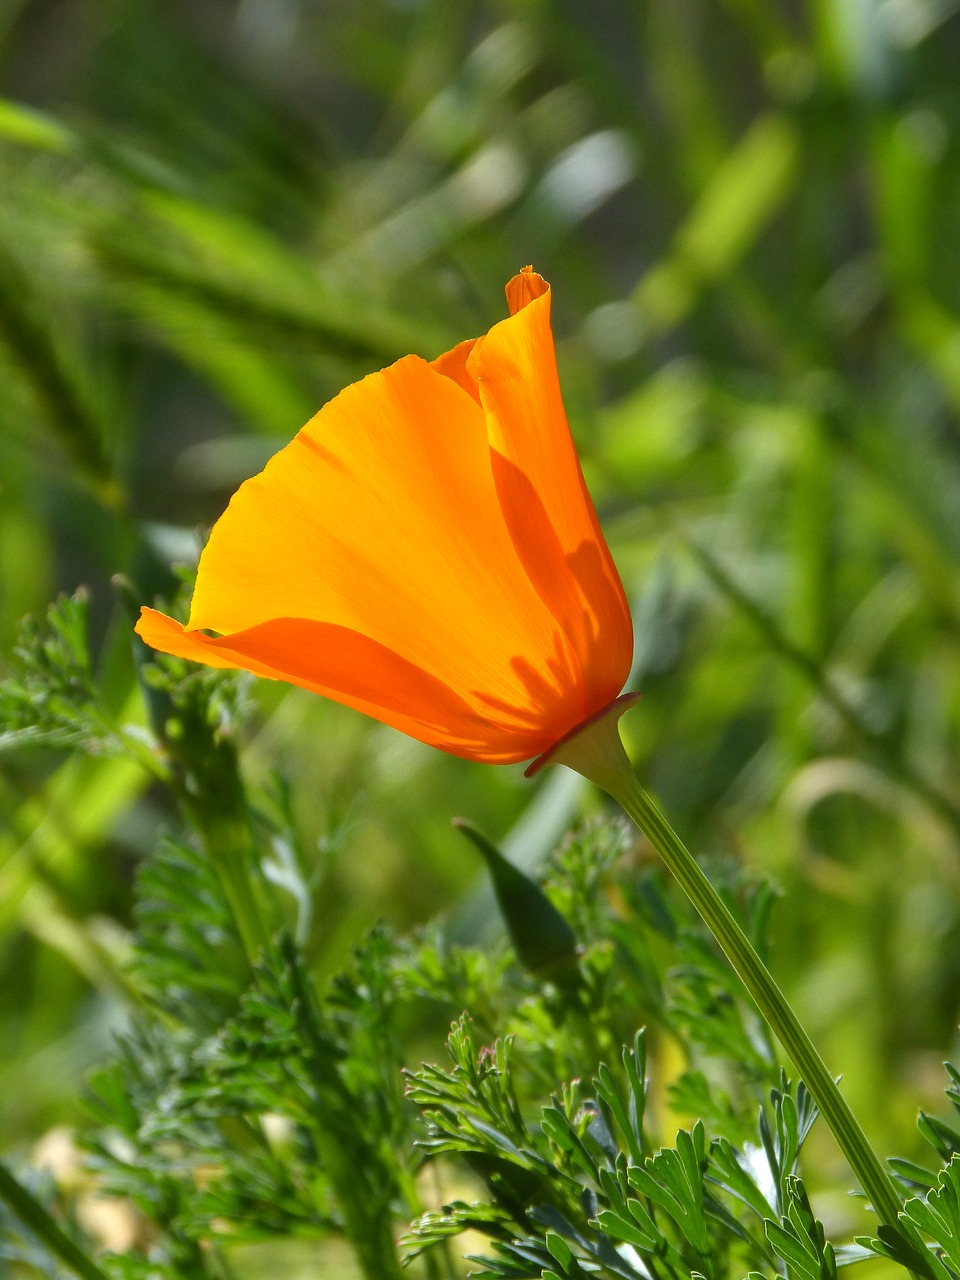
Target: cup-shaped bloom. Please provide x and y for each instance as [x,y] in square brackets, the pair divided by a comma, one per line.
[426,551]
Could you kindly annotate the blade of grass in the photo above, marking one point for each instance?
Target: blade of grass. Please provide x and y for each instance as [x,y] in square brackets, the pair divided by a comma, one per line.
[54,376]
[819,679]
[739,201]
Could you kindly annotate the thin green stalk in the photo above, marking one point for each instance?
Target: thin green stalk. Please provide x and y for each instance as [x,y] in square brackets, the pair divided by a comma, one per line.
[769,998]
[231,867]
[216,810]
[596,752]
[351,1165]
[25,1206]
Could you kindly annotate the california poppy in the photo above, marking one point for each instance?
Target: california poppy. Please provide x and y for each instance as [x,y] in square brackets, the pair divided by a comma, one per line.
[426,551]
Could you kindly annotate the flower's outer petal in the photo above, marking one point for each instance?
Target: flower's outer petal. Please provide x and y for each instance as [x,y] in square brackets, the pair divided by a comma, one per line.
[453,364]
[525,287]
[382,517]
[169,636]
[355,670]
[541,488]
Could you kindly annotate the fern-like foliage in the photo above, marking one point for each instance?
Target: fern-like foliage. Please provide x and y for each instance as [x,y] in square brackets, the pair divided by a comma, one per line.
[248,1101]
[581,1191]
[48,695]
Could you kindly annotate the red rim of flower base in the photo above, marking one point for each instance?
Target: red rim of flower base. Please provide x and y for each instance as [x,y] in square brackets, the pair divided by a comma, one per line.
[623,703]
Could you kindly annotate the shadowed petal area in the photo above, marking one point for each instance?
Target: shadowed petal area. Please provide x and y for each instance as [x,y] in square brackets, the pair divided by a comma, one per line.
[568,584]
[355,670]
[540,486]
[525,286]
[167,635]
[453,364]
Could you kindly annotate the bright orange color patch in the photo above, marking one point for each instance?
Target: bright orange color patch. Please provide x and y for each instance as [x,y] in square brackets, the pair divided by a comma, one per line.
[425,550]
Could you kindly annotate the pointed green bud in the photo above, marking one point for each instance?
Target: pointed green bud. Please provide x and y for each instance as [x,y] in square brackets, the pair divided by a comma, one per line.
[543,940]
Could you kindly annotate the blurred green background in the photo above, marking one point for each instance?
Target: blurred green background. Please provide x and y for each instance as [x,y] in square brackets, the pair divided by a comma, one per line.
[213,215]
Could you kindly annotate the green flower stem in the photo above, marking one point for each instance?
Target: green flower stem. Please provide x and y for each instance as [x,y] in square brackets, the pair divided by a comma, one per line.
[212,794]
[228,844]
[235,879]
[217,813]
[25,1206]
[596,752]
[363,1200]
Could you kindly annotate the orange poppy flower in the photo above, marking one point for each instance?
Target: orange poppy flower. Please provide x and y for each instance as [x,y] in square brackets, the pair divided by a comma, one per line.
[425,550]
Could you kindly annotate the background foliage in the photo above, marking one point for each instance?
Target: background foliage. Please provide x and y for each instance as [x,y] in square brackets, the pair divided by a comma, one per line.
[213,215]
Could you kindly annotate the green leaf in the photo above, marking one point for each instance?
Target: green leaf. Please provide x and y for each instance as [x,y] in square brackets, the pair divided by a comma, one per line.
[673,1179]
[543,940]
[557,1126]
[799,1238]
[943,1137]
[937,1214]
[729,1170]
[624,1119]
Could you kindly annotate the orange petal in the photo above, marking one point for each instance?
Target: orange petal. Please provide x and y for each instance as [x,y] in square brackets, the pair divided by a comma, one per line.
[163,633]
[515,367]
[523,288]
[357,671]
[453,364]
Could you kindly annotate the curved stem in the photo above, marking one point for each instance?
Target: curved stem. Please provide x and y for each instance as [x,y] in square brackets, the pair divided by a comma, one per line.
[34,1215]
[596,752]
